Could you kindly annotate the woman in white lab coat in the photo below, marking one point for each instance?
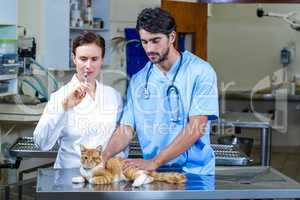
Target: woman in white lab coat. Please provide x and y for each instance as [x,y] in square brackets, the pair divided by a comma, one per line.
[84,111]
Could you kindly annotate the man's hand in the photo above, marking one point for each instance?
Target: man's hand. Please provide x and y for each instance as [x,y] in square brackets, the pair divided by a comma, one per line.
[119,141]
[104,158]
[140,164]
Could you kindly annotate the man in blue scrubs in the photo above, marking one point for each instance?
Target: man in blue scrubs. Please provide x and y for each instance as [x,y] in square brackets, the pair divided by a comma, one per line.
[170,103]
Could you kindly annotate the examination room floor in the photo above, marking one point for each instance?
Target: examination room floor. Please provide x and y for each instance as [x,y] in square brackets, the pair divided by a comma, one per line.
[287,163]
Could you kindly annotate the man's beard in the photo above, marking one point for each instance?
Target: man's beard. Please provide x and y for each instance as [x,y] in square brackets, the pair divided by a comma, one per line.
[161,58]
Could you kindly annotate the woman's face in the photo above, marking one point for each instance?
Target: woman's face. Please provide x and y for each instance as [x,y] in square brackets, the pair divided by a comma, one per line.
[88,56]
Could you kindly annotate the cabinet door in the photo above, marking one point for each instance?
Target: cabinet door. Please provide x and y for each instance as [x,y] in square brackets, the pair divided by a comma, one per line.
[8,12]
[185,14]
[55,26]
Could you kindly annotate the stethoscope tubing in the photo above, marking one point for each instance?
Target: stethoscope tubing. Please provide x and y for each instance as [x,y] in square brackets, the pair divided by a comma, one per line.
[172,86]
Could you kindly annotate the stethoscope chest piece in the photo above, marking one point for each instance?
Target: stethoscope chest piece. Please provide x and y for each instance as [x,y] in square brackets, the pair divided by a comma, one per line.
[172,89]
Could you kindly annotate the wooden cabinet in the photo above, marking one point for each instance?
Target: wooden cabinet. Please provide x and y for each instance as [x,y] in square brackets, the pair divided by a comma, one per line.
[185,14]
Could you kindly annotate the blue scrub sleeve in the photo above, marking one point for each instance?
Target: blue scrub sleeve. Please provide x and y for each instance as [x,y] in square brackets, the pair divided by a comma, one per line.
[205,95]
[127,117]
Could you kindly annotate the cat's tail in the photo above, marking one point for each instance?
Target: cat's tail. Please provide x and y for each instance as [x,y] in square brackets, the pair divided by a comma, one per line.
[169,177]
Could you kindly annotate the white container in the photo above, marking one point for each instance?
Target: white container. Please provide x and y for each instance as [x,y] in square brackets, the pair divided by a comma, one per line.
[297,79]
[8,46]
[293,88]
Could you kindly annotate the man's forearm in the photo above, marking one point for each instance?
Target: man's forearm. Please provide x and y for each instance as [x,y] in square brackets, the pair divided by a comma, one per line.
[185,139]
[119,141]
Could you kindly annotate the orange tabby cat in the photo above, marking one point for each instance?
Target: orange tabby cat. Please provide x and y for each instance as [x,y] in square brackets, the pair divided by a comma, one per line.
[93,171]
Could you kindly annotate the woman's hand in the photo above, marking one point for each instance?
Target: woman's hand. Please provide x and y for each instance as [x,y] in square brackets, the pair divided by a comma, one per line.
[76,96]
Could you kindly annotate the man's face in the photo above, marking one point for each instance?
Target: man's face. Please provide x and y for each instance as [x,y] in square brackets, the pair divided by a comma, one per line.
[88,56]
[156,45]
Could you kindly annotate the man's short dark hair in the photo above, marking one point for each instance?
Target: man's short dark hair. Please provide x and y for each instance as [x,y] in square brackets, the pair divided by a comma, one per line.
[88,37]
[155,20]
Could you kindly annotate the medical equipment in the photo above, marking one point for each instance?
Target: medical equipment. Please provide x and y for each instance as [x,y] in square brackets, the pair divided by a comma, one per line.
[9,66]
[40,88]
[172,93]
[26,55]
[26,51]
[290,18]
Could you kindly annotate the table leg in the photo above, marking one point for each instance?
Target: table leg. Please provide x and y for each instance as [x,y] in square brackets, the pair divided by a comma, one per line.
[7,193]
[20,190]
[265,154]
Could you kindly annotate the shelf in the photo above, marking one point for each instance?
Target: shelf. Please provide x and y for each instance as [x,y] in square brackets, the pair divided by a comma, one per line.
[6,93]
[20,113]
[7,25]
[8,77]
[88,29]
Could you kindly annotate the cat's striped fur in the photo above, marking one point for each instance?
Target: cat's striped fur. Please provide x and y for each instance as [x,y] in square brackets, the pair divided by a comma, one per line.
[93,171]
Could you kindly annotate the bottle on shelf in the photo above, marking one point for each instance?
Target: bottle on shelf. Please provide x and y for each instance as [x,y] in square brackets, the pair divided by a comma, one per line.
[75,14]
[88,13]
[98,23]
[90,16]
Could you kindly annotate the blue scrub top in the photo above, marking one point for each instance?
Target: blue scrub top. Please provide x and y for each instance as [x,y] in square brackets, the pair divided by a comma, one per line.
[197,85]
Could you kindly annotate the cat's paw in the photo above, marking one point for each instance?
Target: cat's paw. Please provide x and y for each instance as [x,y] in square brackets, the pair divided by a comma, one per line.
[83,172]
[141,180]
[87,174]
[78,179]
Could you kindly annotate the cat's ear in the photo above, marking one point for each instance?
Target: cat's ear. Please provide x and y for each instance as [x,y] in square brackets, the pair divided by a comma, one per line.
[82,148]
[99,148]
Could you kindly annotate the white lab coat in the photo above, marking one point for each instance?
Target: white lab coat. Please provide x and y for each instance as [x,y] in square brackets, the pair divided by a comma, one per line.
[91,123]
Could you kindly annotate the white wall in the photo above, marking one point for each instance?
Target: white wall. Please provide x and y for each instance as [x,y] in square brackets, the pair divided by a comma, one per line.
[238,41]
[254,56]
[244,48]
[8,11]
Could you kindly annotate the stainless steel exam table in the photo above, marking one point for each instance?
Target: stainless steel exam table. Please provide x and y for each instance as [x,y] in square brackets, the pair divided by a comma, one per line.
[228,183]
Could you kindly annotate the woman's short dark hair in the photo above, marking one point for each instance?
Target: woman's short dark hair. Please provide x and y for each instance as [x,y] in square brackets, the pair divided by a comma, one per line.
[88,37]
[156,20]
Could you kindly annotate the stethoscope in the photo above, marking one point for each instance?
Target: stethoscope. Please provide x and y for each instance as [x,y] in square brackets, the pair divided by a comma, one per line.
[172,93]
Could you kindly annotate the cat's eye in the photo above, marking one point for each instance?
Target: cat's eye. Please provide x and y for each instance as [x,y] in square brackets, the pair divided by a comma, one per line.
[85,157]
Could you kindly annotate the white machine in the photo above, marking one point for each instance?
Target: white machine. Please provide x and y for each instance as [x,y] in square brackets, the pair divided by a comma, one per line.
[292,18]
